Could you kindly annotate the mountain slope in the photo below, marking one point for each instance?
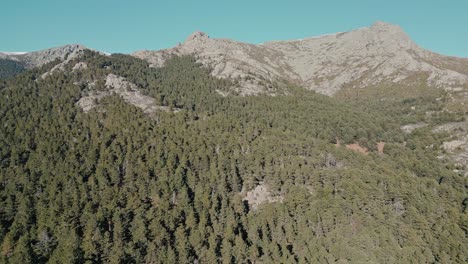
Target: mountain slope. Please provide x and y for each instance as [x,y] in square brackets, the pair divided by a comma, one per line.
[382,53]
[39,58]
[10,68]
[119,184]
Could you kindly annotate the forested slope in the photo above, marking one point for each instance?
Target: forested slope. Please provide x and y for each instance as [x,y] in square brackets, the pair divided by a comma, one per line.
[116,185]
[10,68]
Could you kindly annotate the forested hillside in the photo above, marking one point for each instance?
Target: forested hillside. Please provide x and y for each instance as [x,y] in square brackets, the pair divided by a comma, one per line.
[117,185]
[10,68]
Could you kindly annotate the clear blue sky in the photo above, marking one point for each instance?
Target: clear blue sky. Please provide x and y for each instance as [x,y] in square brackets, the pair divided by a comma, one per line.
[127,26]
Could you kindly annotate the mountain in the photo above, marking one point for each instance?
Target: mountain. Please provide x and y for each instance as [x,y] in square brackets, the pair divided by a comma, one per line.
[379,62]
[108,160]
[10,68]
[117,159]
[39,58]
[382,53]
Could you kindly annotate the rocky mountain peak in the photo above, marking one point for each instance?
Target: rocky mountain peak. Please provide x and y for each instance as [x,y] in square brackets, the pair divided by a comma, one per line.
[41,57]
[365,57]
[60,52]
[73,47]
[385,27]
[388,37]
[197,35]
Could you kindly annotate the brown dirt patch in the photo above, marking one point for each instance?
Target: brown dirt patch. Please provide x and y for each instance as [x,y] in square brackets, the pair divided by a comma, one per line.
[358,148]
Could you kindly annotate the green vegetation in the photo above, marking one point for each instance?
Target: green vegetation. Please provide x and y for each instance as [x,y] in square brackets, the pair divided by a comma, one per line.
[117,186]
[9,68]
[410,103]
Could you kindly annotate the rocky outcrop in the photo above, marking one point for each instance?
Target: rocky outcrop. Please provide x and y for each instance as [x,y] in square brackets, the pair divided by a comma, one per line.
[126,90]
[38,58]
[260,195]
[382,53]
[457,148]
[411,127]
[229,59]
[80,66]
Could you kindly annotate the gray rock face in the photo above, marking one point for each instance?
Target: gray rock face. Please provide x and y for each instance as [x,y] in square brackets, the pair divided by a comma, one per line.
[457,148]
[197,36]
[408,129]
[260,195]
[359,58]
[80,66]
[38,58]
[126,90]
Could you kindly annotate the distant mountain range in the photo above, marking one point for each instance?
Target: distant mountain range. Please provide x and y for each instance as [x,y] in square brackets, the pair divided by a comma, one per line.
[365,57]
[359,58]
[345,64]
[217,151]
[39,58]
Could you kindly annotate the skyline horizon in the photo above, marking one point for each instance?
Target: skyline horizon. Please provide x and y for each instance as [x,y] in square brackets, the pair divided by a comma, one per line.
[209,35]
[118,26]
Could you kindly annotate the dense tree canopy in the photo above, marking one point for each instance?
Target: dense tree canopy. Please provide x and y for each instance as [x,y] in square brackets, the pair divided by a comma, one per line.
[9,68]
[115,185]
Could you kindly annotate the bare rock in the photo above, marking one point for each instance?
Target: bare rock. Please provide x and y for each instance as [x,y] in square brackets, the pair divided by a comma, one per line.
[197,36]
[80,66]
[452,145]
[39,58]
[128,91]
[261,195]
[382,53]
[411,127]
[457,148]
[90,101]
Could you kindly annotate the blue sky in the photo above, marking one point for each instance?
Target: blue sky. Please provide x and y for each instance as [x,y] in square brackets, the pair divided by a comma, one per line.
[127,26]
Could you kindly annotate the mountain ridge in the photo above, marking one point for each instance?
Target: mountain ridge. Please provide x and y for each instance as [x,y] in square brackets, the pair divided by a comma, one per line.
[365,57]
[383,52]
[104,159]
[41,57]
[89,173]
